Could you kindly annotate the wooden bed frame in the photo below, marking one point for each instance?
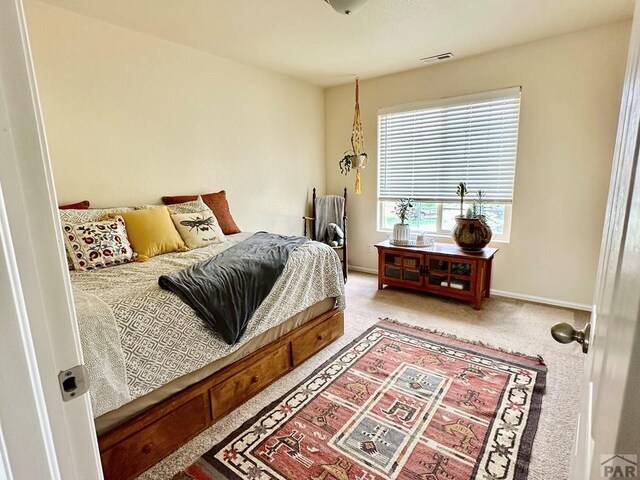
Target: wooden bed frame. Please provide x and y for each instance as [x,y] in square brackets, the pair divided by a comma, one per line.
[137,444]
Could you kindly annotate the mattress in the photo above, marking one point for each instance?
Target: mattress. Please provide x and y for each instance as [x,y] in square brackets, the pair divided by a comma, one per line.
[112,419]
[137,338]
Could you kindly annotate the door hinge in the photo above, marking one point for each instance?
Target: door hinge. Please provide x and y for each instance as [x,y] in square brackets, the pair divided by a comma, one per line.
[74,382]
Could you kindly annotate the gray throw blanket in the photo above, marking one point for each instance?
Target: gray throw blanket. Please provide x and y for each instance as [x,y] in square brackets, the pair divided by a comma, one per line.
[329,209]
[227,289]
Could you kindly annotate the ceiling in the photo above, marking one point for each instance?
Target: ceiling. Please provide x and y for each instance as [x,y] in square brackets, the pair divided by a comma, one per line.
[309,40]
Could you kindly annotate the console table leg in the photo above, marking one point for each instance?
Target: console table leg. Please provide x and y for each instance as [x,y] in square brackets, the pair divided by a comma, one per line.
[488,278]
[380,266]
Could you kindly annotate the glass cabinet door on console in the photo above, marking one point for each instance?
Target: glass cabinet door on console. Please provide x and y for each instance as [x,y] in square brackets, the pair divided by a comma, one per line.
[403,267]
[462,275]
[412,267]
[392,266]
[450,274]
[438,271]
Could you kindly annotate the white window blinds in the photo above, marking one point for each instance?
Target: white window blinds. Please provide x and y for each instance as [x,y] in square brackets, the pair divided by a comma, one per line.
[425,150]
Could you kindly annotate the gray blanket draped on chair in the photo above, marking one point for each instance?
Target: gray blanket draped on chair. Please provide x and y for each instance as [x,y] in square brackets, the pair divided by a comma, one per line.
[329,209]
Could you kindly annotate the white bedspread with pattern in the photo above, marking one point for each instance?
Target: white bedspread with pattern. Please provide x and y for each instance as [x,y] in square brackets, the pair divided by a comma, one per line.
[137,337]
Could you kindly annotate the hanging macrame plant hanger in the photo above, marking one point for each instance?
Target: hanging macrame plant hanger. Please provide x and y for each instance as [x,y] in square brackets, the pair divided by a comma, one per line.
[357,142]
[355,159]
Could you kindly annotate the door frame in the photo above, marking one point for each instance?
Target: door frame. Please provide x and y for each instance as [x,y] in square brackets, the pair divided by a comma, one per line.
[5,472]
[28,423]
[607,388]
[39,330]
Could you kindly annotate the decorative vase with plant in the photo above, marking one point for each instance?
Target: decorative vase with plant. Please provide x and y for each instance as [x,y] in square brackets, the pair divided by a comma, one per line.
[471,232]
[402,230]
[352,161]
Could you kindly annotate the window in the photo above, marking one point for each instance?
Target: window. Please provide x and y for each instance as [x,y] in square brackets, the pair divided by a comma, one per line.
[425,150]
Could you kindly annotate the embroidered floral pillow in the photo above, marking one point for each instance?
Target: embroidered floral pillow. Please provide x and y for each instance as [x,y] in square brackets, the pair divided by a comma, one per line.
[74,215]
[97,244]
[198,229]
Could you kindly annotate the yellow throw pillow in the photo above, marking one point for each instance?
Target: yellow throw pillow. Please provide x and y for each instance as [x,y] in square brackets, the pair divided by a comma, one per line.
[151,232]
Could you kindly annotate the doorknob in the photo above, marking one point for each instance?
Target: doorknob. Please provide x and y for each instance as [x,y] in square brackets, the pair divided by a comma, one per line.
[565,333]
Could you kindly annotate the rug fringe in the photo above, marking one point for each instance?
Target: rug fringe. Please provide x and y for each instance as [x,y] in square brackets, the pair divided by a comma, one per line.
[479,343]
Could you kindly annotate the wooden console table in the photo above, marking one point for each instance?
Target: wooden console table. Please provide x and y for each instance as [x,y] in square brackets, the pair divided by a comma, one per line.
[443,269]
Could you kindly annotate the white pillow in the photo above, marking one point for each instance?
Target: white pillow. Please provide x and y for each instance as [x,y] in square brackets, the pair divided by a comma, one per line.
[89,214]
[194,206]
[77,216]
[198,229]
[97,244]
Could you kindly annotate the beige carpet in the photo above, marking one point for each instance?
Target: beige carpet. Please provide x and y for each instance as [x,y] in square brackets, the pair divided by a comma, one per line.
[509,324]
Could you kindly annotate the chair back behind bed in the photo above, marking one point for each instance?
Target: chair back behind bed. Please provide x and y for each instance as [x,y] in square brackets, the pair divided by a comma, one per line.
[328,209]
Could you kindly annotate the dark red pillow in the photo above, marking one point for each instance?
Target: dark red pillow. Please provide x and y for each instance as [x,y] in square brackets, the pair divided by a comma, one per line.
[83,205]
[179,199]
[218,204]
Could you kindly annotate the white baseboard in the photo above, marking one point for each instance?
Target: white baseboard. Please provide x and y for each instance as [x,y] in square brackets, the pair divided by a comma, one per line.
[373,271]
[544,300]
[502,293]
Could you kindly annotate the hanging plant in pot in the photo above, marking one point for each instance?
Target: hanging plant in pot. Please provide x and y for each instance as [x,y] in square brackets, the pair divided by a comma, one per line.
[352,161]
[471,232]
[402,230]
[355,159]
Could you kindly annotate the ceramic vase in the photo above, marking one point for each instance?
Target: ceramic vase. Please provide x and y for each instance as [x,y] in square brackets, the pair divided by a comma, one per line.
[360,161]
[401,233]
[471,234]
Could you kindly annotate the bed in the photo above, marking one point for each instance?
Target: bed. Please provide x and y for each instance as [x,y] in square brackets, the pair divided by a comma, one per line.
[159,375]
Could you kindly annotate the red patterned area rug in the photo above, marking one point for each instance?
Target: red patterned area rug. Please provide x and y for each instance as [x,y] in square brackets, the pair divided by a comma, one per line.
[397,403]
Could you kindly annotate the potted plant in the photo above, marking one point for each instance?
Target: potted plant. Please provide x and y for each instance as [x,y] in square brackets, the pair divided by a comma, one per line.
[471,232]
[352,161]
[402,230]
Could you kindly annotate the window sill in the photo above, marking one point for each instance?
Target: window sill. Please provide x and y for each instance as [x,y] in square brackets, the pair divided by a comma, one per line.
[440,237]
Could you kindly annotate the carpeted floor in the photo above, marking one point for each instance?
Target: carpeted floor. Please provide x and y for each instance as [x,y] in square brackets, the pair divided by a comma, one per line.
[509,324]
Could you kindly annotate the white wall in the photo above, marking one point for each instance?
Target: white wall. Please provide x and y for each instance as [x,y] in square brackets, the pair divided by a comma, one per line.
[130,118]
[571,88]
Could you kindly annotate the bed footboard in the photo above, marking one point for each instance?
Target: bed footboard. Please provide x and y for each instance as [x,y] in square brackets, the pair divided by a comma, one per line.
[141,442]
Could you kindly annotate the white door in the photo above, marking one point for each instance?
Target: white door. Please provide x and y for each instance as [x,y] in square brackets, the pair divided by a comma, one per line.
[44,437]
[608,436]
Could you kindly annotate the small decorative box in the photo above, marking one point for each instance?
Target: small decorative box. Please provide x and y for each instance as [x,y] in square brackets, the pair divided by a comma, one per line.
[424,240]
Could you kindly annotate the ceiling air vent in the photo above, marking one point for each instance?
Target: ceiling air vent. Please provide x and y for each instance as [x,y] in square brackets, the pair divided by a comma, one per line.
[437,58]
